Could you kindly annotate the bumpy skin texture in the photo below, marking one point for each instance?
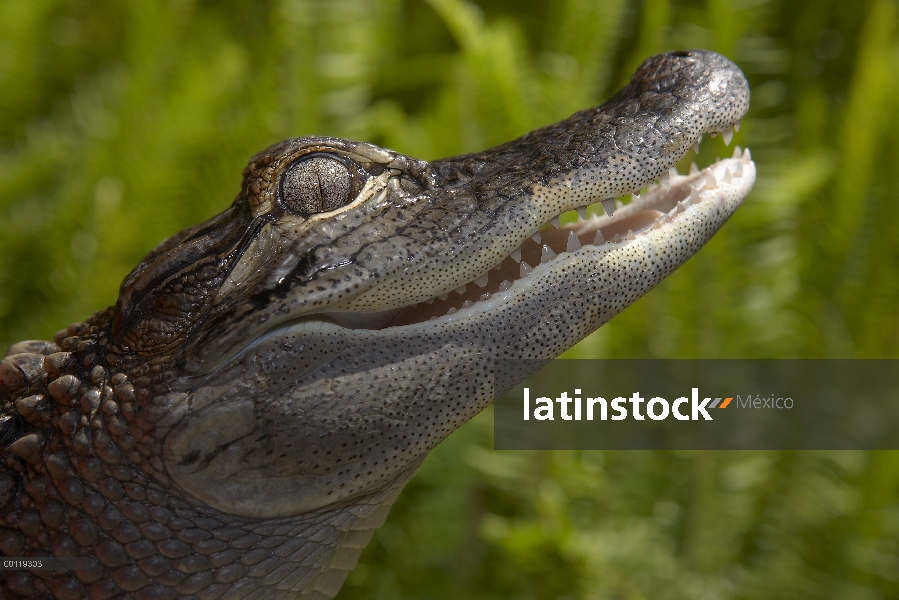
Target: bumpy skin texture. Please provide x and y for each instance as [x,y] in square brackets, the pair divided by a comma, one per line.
[240,422]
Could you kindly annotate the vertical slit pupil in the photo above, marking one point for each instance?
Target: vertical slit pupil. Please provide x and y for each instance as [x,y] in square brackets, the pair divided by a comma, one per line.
[314,184]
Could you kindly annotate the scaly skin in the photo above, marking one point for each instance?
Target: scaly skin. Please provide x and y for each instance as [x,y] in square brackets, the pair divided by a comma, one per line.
[241,421]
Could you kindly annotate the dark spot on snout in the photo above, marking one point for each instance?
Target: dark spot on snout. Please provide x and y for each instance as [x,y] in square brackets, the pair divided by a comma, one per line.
[190,458]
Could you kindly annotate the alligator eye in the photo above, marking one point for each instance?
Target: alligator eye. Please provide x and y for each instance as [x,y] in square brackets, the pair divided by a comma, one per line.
[316,183]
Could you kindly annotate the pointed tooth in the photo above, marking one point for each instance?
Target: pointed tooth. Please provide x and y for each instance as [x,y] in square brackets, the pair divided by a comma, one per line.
[635,196]
[737,152]
[506,284]
[747,157]
[696,147]
[443,297]
[582,213]
[598,240]
[432,318]
[693,168]
[726,175]
[429,301]
[694,196]
[461,289]
[630,234]
[727,135]
[452,310]
[466,304]
[713,134]
[616,238]
[573,243]
[516,256]
[658,223]
[485,296]
[609,206]
[536,237]
[481,281]
[547,254]
[524,269]
[737,126]
[555,222]
[665,181]
[682,205]
[710,182]
[673,175]
[739,171]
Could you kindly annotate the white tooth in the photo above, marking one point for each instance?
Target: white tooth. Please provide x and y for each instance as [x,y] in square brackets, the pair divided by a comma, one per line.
[616,238]
[547,254]
[429,301]
[739,171]
[516,256]
[481,281]
[524,269]
[630,234]
[682,205]
[452,310]
[713,134]
[696,147]
[618,204]
[737,152]
[737,126]
[665,180]
[536,237]
[506,284]
[694,196]
[635,196]
[432,318]
[485,296]
[466,304]
[461,289]
[573,243]
[609,206]
[673,174]
[598,240]
[710,182]
[658,223]
[582,213]
[443,297]
[747,157]
[726,175]
[727,135]
[555,222]
[717,159]
[693,168]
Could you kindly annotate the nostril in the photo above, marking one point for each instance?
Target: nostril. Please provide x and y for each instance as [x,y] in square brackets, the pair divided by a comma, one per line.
[680,53]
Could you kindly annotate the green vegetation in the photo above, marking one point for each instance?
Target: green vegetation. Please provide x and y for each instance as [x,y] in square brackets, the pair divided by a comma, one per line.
[122,122]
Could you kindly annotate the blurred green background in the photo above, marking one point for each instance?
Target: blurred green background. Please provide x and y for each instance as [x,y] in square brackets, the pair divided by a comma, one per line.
[123,122]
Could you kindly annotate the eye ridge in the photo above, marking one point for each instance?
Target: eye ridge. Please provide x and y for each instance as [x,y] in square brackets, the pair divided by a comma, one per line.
[317,183]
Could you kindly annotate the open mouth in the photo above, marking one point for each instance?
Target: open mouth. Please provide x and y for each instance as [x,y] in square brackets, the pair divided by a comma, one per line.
[601,226]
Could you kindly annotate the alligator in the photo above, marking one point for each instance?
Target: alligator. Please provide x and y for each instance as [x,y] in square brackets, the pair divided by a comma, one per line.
[239,423]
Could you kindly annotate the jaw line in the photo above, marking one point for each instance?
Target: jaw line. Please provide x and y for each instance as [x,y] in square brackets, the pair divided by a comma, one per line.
[649,219]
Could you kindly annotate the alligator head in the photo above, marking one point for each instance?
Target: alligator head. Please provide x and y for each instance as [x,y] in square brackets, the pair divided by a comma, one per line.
[271,378]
